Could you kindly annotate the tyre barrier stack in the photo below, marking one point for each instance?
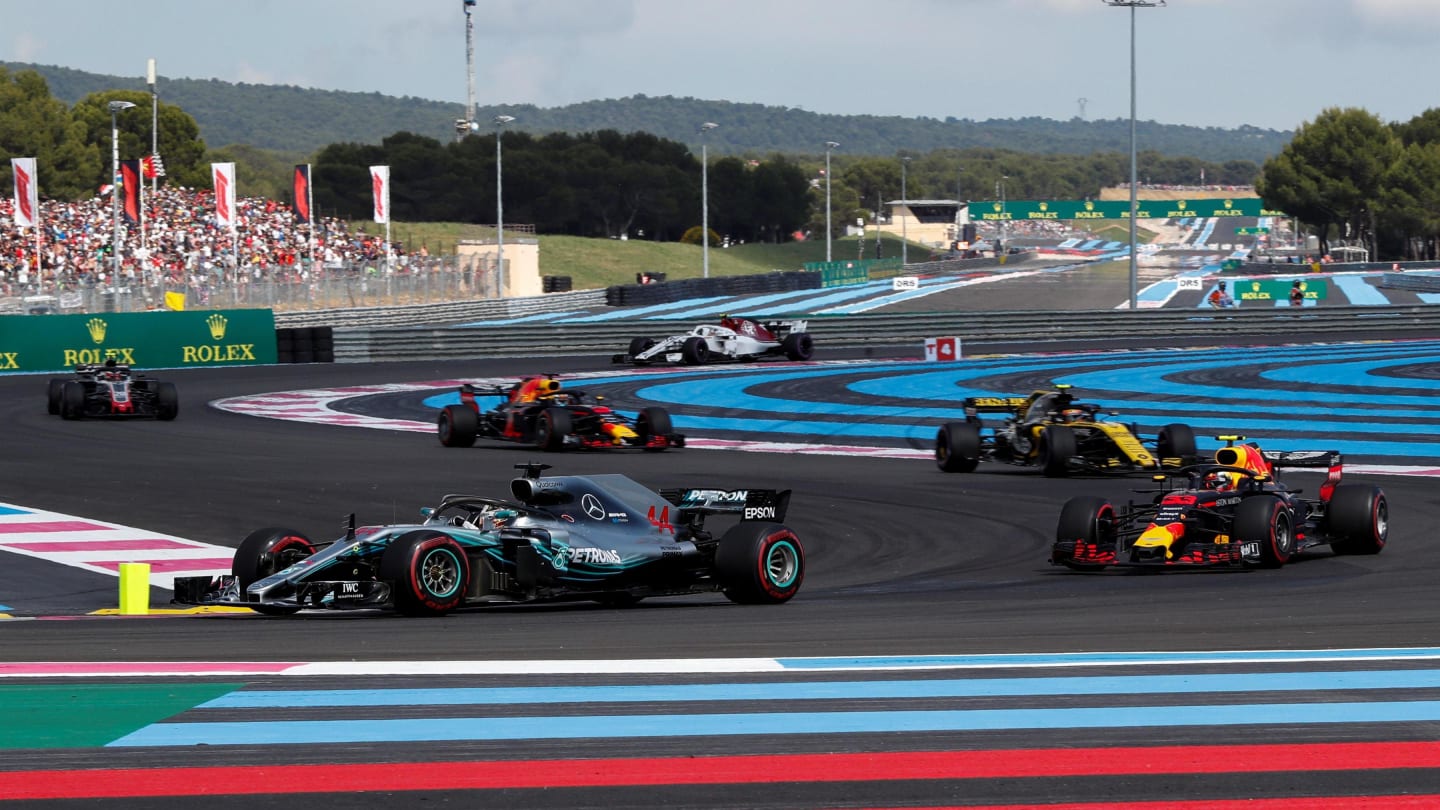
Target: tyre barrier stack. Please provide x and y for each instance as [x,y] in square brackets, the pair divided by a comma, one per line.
[551,284]
[305,344]
[668,292]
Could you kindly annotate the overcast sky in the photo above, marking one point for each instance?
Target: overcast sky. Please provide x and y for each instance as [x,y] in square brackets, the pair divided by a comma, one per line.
[1268,63]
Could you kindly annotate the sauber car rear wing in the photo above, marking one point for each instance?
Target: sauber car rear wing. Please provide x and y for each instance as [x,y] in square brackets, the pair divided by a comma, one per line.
[749,504]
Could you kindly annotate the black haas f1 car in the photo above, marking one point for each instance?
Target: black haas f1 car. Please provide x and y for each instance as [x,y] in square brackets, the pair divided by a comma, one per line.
[1053,431]
[111,389]
[535,411]
[599,538]
[1233,513]
[732,339]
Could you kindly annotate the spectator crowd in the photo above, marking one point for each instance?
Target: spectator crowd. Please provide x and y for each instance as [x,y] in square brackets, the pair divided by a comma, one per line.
[180,244]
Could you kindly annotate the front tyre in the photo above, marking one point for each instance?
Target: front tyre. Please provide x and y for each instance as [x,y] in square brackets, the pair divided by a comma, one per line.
[53,393]
[1085,534]
[695,351]
[457,426]
[1268,523]
[268,551]
[72,400]
[760,563]
[1359,520]
[167,401]
[1057,447]
[650,423]
[957,447]
[428,573]
[551,429]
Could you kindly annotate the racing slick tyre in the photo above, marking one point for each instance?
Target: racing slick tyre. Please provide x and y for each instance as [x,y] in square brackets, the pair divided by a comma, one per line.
[551,429]
[167,401]
[957,447]
[1057,447]
[1359,520]
[264,552]
[695,351]
[653,421]
[1269,523]
[759,563]
[72,400]
[639,345]
[457,426]
[1087,523]
[428,572]
[1176,441]
[57,386]
[798,346]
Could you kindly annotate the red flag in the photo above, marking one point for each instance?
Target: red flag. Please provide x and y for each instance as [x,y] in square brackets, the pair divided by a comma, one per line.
[130,191]
[26,192]
[223,175]
[302,193]
[380,187]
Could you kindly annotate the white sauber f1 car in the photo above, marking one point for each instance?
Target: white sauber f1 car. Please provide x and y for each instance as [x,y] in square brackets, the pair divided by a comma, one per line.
[732,339]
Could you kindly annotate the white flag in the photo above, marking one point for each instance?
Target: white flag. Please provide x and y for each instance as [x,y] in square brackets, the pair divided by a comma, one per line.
[27,192]
[380,185]
[224,178]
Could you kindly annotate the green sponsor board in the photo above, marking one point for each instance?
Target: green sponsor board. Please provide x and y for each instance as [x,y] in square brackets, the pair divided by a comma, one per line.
[1251,231]
[839,274]
[997,211]
[232,337]
[1279,289]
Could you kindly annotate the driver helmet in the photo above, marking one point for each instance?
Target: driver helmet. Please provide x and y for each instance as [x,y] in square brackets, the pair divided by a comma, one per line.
[1222,481]
[1072,415]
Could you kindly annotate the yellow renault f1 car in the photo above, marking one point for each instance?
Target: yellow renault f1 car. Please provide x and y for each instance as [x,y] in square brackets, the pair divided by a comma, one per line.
[1053,431]
[1232,513]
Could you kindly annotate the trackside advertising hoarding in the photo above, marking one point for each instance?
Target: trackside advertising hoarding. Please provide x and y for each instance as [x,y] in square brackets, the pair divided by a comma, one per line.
[1009,210]
[161,339]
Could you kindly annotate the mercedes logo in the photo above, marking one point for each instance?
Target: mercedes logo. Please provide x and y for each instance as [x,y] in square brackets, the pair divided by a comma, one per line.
[592,507]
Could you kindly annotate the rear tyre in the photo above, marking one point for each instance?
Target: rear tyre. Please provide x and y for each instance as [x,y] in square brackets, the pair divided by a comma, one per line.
[551,429]
[1083,520]
[1359,520]
[957,447]
[167,401]
[798,346]
[457,426]
[653,421]
[1057,447]
[695,351]
[1268,523]
[72,400]
[428,573]
[57,386]
[267,551]
[1176,441]
[760,563]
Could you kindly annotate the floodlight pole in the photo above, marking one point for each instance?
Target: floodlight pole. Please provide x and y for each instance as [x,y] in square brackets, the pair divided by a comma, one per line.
[705,199]
[1134,204]
[115,107]
[904,222]
[829,145]
[500,122]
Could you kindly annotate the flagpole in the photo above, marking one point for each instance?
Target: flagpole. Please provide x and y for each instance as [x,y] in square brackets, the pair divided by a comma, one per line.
[310,208]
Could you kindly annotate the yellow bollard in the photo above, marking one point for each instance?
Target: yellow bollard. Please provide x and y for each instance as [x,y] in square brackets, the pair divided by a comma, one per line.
[134,589]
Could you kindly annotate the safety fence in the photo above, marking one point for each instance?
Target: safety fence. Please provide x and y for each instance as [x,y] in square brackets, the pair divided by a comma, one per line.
[1142,327]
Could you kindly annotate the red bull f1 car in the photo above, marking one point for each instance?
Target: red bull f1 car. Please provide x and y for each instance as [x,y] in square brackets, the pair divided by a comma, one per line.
[1060,435]
[111,390]
[1232,513]
[535,411]
[734,338]
[598,538]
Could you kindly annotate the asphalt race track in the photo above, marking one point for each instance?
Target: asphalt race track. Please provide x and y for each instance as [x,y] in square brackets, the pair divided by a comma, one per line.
[932,658]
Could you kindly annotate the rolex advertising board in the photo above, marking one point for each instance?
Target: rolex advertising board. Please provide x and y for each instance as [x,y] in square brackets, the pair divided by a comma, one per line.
[232,337]
[1017,210]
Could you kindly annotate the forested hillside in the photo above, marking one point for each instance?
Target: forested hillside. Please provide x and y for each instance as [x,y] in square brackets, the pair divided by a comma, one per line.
[293,119]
